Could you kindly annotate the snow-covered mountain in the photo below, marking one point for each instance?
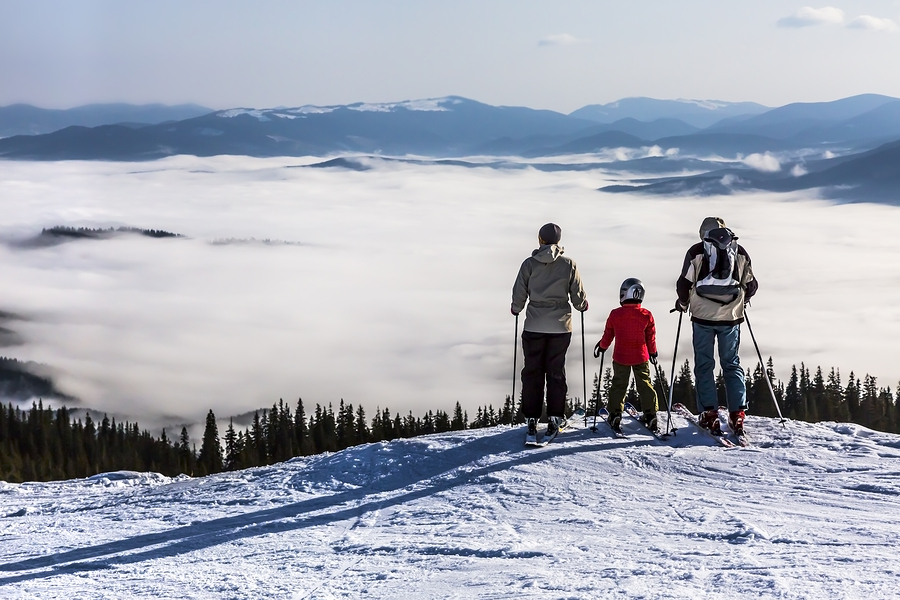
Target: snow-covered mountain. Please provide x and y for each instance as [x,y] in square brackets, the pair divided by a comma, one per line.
[699,113]
[809,512]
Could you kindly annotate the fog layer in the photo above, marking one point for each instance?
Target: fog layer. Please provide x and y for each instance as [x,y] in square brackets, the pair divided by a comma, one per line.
[395,291]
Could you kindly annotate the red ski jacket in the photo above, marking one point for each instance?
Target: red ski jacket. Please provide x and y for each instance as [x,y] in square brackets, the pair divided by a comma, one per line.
[635,332]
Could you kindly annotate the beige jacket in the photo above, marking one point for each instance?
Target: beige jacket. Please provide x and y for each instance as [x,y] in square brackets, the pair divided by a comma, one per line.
[547,280]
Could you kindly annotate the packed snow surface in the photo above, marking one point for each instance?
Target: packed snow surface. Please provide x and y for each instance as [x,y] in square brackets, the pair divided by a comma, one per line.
[810,511]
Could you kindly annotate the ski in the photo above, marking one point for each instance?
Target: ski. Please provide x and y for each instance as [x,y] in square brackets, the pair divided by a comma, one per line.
[634,414]
[742,439]
[684,412]
[604,414]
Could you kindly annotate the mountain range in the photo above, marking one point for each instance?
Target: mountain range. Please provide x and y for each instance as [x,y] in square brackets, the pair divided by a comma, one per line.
[24,119]
[804,144]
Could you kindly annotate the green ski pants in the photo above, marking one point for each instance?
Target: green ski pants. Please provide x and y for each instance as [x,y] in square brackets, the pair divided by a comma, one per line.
[619,387]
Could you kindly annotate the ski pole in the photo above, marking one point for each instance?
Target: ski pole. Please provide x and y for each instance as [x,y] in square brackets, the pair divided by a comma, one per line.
[583,368]
[515,356]
[672,379]
[599,385]
[762,365]
[663,388]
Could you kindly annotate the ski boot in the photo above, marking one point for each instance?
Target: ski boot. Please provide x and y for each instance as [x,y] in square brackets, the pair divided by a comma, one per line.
[531,435]
[709,419]
[615,421]
[736,421]
[649,420]
[553,425]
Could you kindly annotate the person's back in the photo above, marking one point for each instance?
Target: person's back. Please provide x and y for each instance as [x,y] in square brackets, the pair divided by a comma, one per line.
[716,283]
[546,281]
[634,331]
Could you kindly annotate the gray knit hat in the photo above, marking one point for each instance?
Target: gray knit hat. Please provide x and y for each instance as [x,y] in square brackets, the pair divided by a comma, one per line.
[550,233]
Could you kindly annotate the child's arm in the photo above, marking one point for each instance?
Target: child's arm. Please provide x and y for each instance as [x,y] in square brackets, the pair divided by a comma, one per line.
[609,333]
[650,335]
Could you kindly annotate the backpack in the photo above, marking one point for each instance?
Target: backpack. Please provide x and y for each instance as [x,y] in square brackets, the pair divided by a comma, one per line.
[720,281]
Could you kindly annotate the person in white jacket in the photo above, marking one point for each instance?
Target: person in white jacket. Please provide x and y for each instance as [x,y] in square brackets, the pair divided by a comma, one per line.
[547,281]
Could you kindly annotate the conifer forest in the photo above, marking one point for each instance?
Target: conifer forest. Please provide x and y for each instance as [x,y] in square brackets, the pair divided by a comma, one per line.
[42,444]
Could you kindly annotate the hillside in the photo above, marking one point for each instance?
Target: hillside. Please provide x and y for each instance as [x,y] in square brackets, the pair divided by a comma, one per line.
[810,512]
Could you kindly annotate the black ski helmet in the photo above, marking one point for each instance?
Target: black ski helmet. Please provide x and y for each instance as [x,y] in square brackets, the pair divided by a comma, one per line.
[632,289]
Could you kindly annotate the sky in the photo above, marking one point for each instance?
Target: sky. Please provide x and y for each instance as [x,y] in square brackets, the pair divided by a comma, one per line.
[395,290]
[558,55]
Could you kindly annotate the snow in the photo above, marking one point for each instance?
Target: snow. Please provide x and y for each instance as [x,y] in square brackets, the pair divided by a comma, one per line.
[236,112]
[428,105]
[707,104]
[809,512]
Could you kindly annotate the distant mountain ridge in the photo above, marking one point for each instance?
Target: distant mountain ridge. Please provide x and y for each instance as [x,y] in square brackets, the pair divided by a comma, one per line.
[698,113]
[453,126]
[24,119]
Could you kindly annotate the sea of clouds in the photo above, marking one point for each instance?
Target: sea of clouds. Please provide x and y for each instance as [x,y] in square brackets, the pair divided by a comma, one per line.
[394,289]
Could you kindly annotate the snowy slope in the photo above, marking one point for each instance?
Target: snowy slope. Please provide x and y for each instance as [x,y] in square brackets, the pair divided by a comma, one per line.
[810,512]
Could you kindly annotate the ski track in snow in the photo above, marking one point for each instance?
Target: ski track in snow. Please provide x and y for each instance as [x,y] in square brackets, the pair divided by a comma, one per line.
[810,511]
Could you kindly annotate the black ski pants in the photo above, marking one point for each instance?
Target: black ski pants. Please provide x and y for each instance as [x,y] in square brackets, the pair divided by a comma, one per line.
[545,360]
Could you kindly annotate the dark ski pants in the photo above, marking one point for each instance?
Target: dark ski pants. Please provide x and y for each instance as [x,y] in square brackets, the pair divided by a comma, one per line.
[729,341]
[618,388]
[545,360]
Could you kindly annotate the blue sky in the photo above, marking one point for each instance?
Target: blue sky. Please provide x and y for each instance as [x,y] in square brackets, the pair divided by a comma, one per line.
[559,55]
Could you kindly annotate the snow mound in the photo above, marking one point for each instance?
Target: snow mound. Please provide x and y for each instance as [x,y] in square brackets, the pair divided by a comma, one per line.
[808,512]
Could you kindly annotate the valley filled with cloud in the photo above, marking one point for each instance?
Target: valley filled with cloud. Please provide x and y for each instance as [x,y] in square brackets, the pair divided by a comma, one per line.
[390,286]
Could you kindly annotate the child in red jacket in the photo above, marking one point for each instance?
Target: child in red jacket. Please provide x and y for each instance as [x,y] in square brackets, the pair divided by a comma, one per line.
[635,332]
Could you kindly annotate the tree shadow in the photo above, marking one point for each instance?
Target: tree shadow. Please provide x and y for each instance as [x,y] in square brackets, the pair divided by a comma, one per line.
[433,474]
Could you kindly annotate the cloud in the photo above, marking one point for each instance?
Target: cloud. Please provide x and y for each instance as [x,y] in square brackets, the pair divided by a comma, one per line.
[400,296]
[870,23]
[809,16]
[561,39]
[763,162]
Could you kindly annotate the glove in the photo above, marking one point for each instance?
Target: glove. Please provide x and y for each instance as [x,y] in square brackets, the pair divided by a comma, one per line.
[598,350]
[513,311]
[585,306]
[654,358]
[680,306]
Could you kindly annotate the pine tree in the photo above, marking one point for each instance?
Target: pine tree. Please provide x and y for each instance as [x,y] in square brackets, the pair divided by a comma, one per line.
[834,398]
[210,459]
[595,396]
[868,400]
[803,401]
[792,395]
[232,451]
[607,384]
[459,421]
[816,397]
[304,443]
[852,398]
[186,456]
[683,386]
[506,416]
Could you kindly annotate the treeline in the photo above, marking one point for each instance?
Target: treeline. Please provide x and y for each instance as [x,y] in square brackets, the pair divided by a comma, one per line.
[806,396]
[89,232]
[42,444]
